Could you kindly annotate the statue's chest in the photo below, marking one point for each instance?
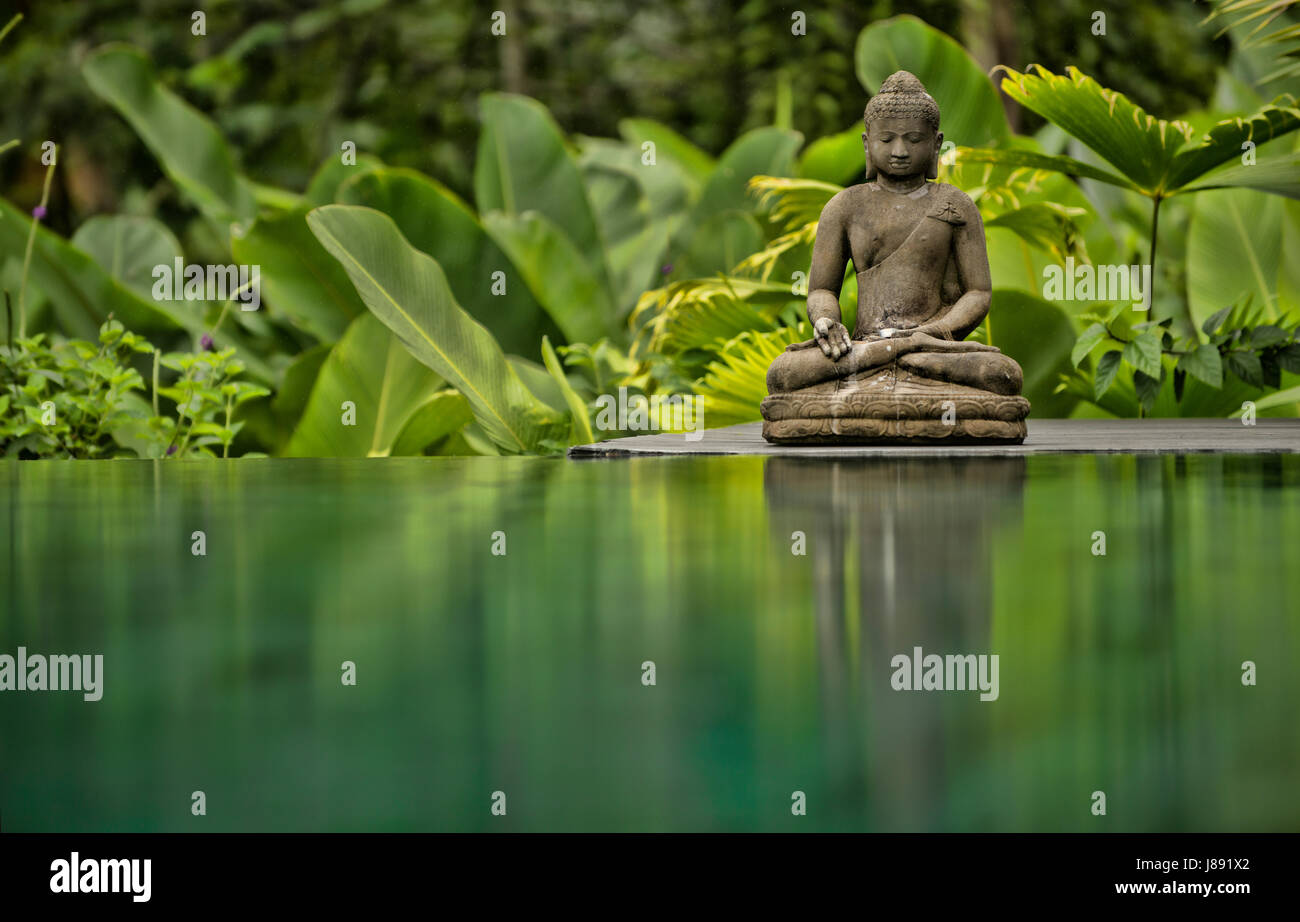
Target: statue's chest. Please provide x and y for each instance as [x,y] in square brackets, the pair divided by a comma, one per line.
[883,225]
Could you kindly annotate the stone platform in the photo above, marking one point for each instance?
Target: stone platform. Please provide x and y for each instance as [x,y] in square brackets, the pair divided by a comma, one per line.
[870,417]
[1045,436]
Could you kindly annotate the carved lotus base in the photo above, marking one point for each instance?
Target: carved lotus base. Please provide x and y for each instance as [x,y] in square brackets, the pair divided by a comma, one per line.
[871,417]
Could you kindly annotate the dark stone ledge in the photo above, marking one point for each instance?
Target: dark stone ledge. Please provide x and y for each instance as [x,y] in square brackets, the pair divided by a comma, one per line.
[1046,436]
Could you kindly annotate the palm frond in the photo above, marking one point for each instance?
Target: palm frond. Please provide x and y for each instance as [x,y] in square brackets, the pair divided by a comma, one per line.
[760,265]
[994,187]
[1247,11]
[705,313]
[735,383]
[793,203]
[1046,225]
[1223,142]
[1152,155]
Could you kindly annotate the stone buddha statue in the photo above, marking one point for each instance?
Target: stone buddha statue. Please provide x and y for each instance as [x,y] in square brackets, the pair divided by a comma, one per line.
[906,374]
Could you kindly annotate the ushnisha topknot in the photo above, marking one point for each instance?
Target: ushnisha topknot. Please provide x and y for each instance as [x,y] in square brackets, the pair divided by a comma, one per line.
[902,96]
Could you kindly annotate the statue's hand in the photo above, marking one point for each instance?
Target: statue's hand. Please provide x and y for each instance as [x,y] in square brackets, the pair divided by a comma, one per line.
[832,337]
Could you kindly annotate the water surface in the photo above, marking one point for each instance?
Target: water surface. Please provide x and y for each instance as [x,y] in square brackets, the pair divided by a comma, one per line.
[523,673]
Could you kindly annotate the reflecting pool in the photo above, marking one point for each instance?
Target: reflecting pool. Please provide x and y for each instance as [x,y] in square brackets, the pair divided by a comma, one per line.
[767,599]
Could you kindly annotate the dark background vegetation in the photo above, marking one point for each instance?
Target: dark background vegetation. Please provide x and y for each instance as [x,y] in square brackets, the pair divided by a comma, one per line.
[288,81]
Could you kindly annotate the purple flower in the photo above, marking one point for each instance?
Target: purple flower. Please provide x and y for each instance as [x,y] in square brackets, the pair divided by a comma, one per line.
[668,267]
[205,343]
[38,212]
[171,450]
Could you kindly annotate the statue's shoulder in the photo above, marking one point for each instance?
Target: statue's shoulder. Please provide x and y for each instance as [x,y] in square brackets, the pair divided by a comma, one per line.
[850,194]
[953,205]
[863,191]
[845,203]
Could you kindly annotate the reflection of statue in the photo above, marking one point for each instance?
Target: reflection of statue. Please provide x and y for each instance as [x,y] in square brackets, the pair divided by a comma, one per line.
[923,286]
[901,555]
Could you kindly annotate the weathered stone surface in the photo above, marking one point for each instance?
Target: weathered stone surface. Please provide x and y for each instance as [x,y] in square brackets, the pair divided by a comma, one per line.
[872,416]
[848,430]
[907,374]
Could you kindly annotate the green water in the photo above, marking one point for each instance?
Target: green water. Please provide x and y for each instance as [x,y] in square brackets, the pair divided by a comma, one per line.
[523,673]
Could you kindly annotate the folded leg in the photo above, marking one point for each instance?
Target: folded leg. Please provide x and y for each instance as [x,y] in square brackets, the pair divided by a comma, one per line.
[988,371]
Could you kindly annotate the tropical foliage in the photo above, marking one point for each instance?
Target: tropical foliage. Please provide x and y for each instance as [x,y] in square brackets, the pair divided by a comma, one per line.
[399,318]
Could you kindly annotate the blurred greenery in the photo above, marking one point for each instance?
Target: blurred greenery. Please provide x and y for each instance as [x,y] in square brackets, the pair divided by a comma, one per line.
[638,186]
[287,81]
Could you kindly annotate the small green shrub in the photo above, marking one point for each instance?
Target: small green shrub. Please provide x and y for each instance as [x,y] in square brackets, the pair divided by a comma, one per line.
[77,399]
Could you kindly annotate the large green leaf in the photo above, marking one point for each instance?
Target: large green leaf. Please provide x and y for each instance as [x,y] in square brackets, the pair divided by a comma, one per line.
[664,184]
[324,186]
[1222,143]
[433,219]
[408,291]
[1018,158]
[1233,252]
[538,380]
[1015,263]
[1039,336]
[580,430]
[1288,279]
[128,247]
[634,239]
[572,294]
[524,165]
[1140,146]
[761,152]
[188,146]
[1279,175]
[720,242]
[83,294]
[82,291]
[695,165]
[300,281]
[443,415]
[1158,156]
[372,371]
[1046,225]
[296,386]
[971,113]
[837,158]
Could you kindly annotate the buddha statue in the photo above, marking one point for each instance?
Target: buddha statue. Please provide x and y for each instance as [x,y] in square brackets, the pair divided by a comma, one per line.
[917,246]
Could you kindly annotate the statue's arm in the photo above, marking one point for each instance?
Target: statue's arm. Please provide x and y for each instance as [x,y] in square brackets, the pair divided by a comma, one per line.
[829,259]
[971,253]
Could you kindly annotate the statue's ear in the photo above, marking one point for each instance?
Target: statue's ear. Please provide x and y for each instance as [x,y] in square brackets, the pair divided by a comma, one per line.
[871,169]
[932,171]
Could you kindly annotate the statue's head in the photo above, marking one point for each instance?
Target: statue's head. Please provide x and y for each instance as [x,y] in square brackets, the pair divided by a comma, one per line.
[902,137]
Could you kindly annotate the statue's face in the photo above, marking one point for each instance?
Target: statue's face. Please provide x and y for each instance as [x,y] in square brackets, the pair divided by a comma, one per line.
[901,147]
